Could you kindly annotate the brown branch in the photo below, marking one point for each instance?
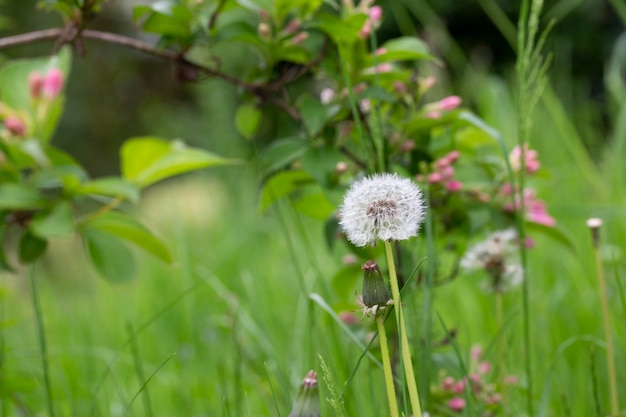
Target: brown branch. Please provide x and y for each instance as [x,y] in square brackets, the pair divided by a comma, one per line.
[30,37]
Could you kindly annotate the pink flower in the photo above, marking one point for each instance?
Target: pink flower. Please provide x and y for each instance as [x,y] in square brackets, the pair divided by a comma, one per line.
[434,178]
[452,157]
[375,13]
[432,115]
[448,383]
[35,82]
[450,103]
[456,404]
[52,83]
[447,172]
[300,38]
[380,69]
[476,352]
[460,386]
[293,26]
[15,125]
[380,51]
[484,367]
[348,318]
[535,208]
[531,163]
[453,185]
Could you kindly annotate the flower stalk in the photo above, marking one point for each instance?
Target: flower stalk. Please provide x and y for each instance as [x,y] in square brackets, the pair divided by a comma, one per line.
[384,350]
[404,341]
[594,225]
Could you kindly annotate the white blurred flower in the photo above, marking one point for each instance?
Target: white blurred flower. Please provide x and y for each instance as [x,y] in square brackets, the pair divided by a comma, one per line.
[497,255]
[327,95]
[383,206]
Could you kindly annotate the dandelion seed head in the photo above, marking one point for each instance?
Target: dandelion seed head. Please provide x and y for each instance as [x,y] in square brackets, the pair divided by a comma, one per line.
[383,206]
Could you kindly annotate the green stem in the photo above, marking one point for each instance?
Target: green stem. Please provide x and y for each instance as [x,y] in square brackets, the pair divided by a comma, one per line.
[404,341]
[384,350]
[42,341]
[606,319]
[500,324]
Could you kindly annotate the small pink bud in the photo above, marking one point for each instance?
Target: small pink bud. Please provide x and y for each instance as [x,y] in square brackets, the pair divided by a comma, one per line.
[293,26]
[476,352]
[400,87]
[375,13]
[453,186]
[348,318]
[349,259]
[484,367]
[366,30]
[365,105]
[448,383]
[450,103]
[35,82]
[428,82]
[459,387]
[407,146]
[52,83]
[456,404]
[434,178]
[452,157]
[386,67]
[447,172]
[380,51]
[264,15]
[433,115]
[359,88]
[494,398]
[15,125]
[300,38]
[326,95]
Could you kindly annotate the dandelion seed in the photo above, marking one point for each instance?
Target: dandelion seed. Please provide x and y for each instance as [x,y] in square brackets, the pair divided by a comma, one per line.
[496,255]
[383,206]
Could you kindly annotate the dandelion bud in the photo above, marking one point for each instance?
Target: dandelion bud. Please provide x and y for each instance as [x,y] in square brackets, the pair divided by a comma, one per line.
[375,290]
[52,83]
[307,402]
[15,125]
[594,224]
[35,82]
[264,30]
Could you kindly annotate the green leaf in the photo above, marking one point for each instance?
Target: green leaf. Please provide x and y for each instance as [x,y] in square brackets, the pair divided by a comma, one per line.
[247,120]
[4,263]
[111,187]
[282,152]
[165,25]
[19,197]
[129,229]
[347,281]
[57,223]
[314,114]
[341,30]
[282,184]
[320,163]
[31,247]
[146,160]
[109,255]
[404,49]
[552,232]
[14,91]
[315,205]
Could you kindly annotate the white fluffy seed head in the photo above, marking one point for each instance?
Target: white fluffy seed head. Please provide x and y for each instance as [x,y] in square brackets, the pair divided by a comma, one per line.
[383,206]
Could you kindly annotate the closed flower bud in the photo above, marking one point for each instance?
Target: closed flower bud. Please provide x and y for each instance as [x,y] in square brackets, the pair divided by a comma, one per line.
[375,290]
[35,82]
[52,83]
[15,125]
[307,402]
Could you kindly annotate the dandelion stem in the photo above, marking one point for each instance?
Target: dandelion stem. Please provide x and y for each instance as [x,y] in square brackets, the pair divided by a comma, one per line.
[43,346]
[606,319]
[384,350]
[404,341]
[500,324]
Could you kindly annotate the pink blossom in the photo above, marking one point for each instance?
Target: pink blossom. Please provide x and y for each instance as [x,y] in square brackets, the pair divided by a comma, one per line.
[459,387]
[448,383]
[375,13]
[453,185]
[349,259]
[450,103]
[427,82]
[435,177]
[484,367]
[348,318]
[456,404]
[15,125]
[432,115]
[380,51]
[531,162]
[529,242]
[476,352]
[293,26]
[447,172]
[494,398]
[366,30]
[380,69]
[452,156]
[400,87]
[35,82]
[300,38]
[52,83]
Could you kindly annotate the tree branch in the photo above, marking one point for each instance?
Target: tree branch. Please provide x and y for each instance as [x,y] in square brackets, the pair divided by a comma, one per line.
[30,37]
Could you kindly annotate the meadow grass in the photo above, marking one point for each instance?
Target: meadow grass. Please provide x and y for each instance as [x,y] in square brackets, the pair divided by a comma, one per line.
[230,328]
